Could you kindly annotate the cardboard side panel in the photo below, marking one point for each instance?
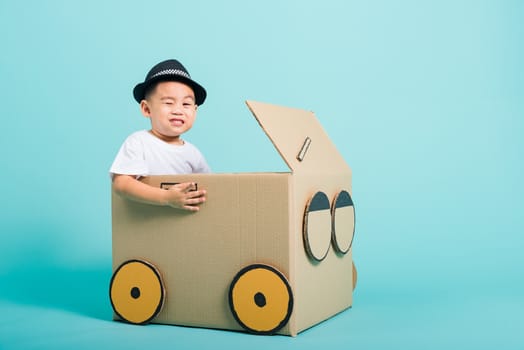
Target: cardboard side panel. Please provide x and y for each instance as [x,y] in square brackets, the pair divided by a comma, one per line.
[246,220]
[324,288]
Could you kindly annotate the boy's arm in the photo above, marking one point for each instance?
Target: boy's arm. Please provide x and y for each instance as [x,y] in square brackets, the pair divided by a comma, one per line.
[179,196]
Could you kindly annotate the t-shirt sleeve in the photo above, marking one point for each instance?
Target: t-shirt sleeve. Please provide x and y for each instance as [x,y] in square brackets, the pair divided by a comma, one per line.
[201,163]
[203,166]
[130,159]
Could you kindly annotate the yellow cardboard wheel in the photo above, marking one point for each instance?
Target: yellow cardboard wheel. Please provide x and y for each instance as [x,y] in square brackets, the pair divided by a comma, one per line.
[260,299]
[136,291]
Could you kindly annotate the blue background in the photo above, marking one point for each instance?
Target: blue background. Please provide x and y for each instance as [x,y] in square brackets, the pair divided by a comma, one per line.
[424,99]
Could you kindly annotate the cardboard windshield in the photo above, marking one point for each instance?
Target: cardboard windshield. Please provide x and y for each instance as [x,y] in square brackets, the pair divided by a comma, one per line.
[299,138]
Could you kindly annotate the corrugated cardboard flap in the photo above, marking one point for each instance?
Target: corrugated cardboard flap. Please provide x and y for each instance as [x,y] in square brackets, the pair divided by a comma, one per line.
[299,138]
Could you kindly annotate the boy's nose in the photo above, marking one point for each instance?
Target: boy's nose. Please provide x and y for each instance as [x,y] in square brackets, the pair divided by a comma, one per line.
[177,109]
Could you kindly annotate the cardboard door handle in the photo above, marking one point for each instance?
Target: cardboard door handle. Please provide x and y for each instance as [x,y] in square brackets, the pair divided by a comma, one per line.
[304,149]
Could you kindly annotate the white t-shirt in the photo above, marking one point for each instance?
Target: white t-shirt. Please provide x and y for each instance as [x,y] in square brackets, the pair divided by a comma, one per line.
[144,154]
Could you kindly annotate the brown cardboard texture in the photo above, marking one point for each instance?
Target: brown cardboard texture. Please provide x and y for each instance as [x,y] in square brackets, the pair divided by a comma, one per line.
[267,252]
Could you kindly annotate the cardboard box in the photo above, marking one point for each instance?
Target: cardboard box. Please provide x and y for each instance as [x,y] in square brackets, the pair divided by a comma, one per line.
[267,252]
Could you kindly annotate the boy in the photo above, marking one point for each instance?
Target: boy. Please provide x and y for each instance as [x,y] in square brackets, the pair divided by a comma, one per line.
[169,98]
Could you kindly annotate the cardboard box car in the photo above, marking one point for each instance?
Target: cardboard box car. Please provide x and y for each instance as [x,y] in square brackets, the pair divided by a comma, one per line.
[267,252]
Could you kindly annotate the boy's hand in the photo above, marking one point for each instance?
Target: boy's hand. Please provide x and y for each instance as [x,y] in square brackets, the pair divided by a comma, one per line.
[181,196]
[184,196]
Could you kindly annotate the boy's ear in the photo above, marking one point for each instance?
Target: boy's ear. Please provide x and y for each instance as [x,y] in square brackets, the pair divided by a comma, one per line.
[144,108]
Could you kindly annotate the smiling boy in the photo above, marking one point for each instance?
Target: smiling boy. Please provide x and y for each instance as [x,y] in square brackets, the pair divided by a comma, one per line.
[169,98]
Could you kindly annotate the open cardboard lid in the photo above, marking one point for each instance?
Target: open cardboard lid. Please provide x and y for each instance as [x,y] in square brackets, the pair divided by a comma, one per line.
[299,138]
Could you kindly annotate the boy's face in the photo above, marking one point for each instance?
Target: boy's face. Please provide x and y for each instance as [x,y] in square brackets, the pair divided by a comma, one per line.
[172,110]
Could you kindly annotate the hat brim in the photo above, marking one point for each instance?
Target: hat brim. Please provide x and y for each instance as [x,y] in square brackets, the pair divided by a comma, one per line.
[200,93]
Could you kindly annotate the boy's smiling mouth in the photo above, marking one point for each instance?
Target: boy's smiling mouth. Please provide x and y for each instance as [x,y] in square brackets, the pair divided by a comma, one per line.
[176,121]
